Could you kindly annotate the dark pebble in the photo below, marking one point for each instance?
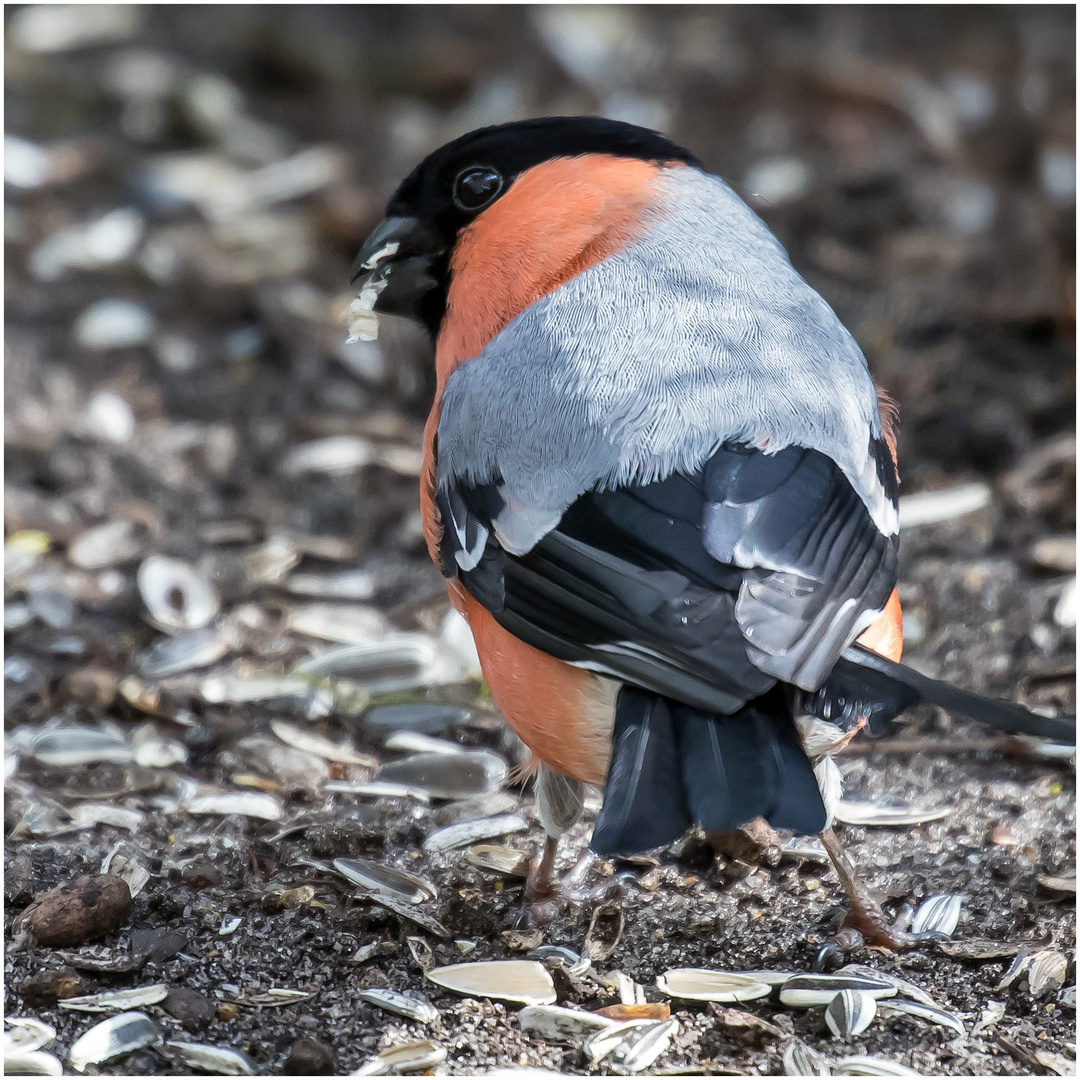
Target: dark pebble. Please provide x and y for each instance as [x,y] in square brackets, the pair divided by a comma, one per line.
[201,875]
[81,910]
[42,991]
[192,1009]
[157,945]
[308,1057]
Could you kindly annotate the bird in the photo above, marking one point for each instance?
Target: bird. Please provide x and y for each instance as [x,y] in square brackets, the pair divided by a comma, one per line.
[659,481]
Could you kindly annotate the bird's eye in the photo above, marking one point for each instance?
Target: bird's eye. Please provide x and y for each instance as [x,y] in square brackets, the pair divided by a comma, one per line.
[476,187]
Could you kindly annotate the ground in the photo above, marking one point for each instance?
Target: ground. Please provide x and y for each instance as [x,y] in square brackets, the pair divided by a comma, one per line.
[943,240]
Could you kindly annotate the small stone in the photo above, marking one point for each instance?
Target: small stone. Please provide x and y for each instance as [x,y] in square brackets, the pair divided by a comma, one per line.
[309,1057]
[226,1012]
[190,1008]
[44,990]
[81,910]
[201,875]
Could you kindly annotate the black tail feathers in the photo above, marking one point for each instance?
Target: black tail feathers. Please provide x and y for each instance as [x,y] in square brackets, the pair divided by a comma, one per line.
[674,766]
[864,683]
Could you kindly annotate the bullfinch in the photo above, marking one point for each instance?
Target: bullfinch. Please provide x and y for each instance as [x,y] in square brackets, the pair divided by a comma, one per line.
[658,479]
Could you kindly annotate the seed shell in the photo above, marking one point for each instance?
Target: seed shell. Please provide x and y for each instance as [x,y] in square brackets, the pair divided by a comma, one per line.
[700,984]
[803,1060]
[806,991]
[556,1024]
[117,1000]
[938,914]
[850,1013]
[524,981]
[897,1007]
[217,1060]
[121,1034]
[414,1006]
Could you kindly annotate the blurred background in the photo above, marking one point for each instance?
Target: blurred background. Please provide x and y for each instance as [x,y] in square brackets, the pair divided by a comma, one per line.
[186,187]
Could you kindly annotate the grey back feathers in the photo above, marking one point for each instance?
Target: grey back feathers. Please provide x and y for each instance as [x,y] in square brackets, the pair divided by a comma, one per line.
[699,333]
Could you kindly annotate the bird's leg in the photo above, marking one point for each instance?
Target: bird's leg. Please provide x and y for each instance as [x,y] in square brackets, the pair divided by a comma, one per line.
[865,922]
[541,883]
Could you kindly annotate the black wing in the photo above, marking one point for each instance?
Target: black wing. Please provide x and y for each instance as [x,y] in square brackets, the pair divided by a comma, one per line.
[706,588]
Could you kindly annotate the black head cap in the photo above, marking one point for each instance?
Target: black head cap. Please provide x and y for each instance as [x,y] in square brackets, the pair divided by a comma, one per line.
[431,189]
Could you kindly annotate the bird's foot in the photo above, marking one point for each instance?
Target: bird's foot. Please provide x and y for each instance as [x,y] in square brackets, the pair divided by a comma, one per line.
[866,923]
[547,897]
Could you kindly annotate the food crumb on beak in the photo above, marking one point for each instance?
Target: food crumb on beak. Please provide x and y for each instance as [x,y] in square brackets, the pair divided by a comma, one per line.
[362,322]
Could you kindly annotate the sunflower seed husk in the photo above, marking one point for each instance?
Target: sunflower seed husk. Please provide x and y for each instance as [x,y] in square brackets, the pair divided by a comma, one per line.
[393,663]
[991,1015]
[68,746]
[343,585]
[903,986]
[897,1007]
[978,949]
[33,1063]
[556,1024]
[412,1005]
[415,742]
[160,753]
[27,1034]
[601,1043]
[743,1021]
[236,690]
[640,1048]
[469,832]
[885,812]
[377,789]
[498,860]
[1046,972]
[1016,968]
[850,1013]
[407,911]
[238,803]
[186,652]
[377,878]
[176,595]
[770,978]
[351,625]
[806,991]
[524,981]
[449,776]
[1056,1064]
[408,1058]
[312,743]
[700,984]
[605,930]
[376,948]
[859,1065]
[276,997]
[87,815]
[426,719]
[104,545]
[217,1060]
[117,1000]
[803,1060]
[938,914]
[118,1035]
[1065,884]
